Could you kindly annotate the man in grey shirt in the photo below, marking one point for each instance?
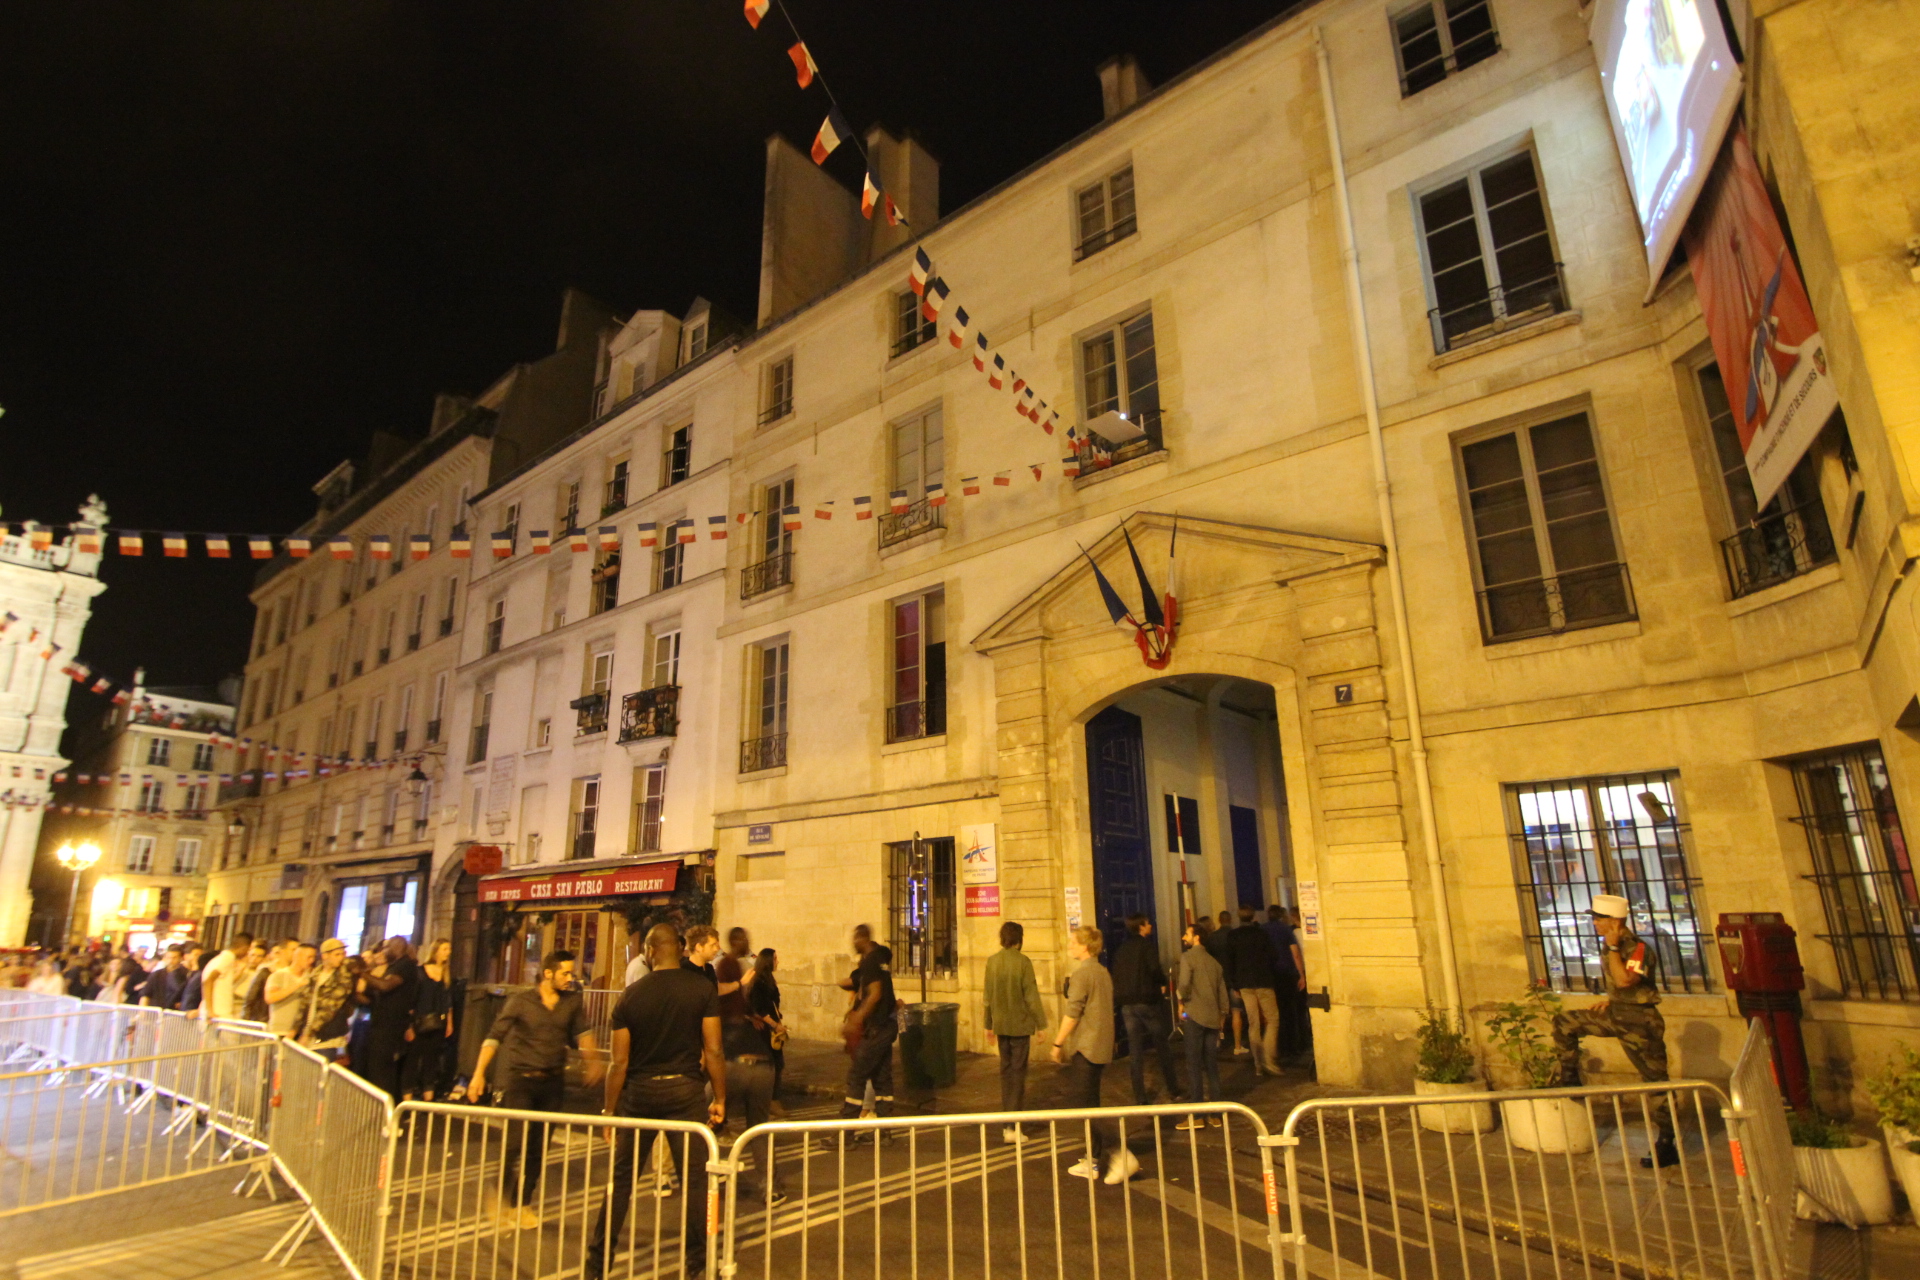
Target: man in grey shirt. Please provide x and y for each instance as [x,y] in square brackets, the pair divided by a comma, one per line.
[1202,989]
[1085,1044]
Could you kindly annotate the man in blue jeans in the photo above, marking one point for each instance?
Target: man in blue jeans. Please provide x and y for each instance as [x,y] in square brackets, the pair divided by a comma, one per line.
[1202,989]
[1140,987]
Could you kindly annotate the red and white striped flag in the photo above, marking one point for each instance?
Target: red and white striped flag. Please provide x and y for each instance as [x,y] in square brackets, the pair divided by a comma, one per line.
[803,65]
[863,507]
[756,10]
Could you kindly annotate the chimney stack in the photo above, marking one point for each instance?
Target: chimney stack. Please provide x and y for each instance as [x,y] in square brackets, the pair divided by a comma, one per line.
[1122,84]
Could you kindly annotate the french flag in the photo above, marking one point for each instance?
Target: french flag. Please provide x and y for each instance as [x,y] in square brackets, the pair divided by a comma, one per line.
[717,528]
[89,539]
[340,546]
[917,273]
[894,217]
[863,507]
[756,10]
[1070,465]
[460,546]
[132,544]
[39,536]
[980,352]
[934,299]
[688,532]
[969,486]
[610,537]
[649,534]
[833,131]
[218,547]
[1003,478]
[299,548]
[957,327]
[542,542]
[790,518]
[803,64]
[173,544]
[577,539]
[936,494]
[823,510]
[259,548]
[898,501]
[380,546]
[870,192]
[502,544]
[996,376]
[421,547]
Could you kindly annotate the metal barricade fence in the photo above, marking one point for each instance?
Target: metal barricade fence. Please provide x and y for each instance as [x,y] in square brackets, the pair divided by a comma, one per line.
[1504,1184]
[1184,1189]
[1763,1147]
[333,1141]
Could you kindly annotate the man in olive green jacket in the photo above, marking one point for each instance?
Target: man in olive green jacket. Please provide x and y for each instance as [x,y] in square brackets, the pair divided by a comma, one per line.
[1014,1014]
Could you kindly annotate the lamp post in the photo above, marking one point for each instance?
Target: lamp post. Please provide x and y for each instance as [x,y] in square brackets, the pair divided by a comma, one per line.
[75,860]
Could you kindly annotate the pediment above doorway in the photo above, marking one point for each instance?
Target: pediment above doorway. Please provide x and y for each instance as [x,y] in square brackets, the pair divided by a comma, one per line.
[1217,560]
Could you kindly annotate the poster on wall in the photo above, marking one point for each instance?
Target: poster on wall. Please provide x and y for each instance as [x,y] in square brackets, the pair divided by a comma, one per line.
[1310,908]
[979,855]
[983,899]
[1762,327]
[1073,907]
[1671,87]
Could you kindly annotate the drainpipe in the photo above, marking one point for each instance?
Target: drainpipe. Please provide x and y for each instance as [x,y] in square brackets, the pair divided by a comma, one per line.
[1383,491]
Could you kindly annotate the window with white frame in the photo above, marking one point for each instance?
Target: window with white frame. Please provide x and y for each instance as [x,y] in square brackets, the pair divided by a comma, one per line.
[510,524]
[663,658]
[676,454]
[203,756]
[153,796]
[917,705]
[776,398]
[917,458]
[1120,373]
[567,509]
[670,561]
[764,745]
[140,854]
[585,817]
[1434,39]
[186,856]
[159,751]
[1105,213]
[649,805]
[911,328]
[593,702]
[496,625]
[1490,256]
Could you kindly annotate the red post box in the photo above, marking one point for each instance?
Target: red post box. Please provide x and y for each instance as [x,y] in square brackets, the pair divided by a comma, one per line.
[1761,961]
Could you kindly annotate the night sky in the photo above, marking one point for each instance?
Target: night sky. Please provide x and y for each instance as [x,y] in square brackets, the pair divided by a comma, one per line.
[237,237]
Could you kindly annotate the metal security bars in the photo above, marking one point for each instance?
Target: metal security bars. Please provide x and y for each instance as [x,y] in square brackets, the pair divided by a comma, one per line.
[763,576]
[769,752]
[919,517]
[650,713]
[1621,834]
[1778,546]
[1864,869]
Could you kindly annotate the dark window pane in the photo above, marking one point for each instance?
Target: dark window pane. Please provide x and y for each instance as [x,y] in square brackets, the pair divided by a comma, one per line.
[1103,390]
[1470,23]
[1421,61]
[1561,442]
[1143,374]
[1491,461]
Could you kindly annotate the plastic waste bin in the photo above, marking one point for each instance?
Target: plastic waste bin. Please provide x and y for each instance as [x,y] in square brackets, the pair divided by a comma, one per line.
[929,1046]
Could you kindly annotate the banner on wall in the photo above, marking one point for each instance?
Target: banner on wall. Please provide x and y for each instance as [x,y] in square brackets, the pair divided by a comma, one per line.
[979,857]
[1762,326]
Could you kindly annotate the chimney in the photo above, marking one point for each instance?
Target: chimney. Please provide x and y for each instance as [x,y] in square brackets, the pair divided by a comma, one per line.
[1122,84]
[911,175]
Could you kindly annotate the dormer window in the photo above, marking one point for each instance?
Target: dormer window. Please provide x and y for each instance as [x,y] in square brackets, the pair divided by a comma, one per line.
[696,340]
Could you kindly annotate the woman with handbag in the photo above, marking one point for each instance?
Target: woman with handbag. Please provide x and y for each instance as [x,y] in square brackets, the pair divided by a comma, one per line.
[430,1038]
[765,1005]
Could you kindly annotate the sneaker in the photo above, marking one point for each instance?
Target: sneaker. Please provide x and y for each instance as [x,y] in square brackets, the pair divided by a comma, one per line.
[1242,1051]
[1121,1165]
[1191,1123]
[1084,1169]
[1664,1156]
[1013,1134]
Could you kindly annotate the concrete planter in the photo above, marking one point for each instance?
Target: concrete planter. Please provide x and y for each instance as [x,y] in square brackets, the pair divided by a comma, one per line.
[1548,1125]
[1848,1185]
[1906,1165]
[1464,1117]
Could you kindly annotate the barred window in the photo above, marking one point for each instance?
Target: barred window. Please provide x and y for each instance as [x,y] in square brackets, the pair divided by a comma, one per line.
[921,913]
[1620,834]
[1864,870]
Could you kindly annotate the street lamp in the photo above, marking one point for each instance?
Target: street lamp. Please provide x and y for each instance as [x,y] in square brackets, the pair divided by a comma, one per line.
[76,861]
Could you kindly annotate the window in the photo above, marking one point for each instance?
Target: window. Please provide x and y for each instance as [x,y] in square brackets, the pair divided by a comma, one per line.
[586,816]
[606,586]
[670,561]
[696,340]
[765,745]
[447,614]
[920,908]
[387,621]
[1864,870]
[676,455]
[297,687]
[140,854]
[186,856]
[663,659]
[1120,374]
[649,802]
[1106,214]
[568,506]
[159,750]
[1490,255]
[404,721]
[510,524]
[918,458]
[615,498]
[203,756]
[1620,834]
[533,809]
[911,327]
[1543,539]
[313,602]
[1770,544]
[436,715]
[482,719]
[543,732]
[153,796]
[194,798]
[775,566]
[346,584]
[496,625]
[1437,38]
[376,721]
[592,704]
[919,697]
[777,395]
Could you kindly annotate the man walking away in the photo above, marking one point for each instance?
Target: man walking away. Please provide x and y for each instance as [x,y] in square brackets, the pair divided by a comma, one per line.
[1290,980]
[1202,990]
[1085,1044]
[1630,1013]
[666,1035]
[870,1029]
[531,1036]
[1251,973]
[1014,1015]
[1140,985]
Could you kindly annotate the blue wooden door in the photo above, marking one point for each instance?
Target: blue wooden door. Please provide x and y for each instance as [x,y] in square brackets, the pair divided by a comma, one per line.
[1117,805]
[1247,880]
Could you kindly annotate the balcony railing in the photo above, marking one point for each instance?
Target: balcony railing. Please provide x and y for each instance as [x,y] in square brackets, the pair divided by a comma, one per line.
[477,749]
[776,411]
[413,641]
[446,625]
[1504,307]
[769,752]
[592,713]
[433,732]
[1777,547]
[774,571]
[916,519]
[650,713]
[909,720]
[399,741]
[1590,597]
[1106,239]
[918,336]
[240,789]
[583,842]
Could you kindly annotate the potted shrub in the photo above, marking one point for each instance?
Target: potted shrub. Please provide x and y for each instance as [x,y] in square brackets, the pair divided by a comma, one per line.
[1551,1125]
[1896,1092]
[1841,1178]
[1445,1069]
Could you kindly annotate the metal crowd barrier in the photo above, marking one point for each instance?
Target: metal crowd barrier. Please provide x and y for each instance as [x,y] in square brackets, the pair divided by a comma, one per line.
[1382,1185]
[486,1191]
[1763,1147]
[333,1140]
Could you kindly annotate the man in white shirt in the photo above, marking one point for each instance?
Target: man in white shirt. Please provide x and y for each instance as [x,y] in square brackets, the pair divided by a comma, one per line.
[217,979]
[637,968]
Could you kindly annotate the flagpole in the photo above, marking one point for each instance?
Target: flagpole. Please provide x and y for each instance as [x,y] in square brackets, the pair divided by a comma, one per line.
[1383,490]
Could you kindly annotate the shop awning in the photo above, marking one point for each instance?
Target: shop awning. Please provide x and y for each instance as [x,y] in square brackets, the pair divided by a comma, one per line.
[597,882]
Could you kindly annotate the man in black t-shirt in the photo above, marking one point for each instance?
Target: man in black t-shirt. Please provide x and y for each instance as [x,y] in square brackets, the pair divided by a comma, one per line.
[666,1039]
[391,983]
[870,1029]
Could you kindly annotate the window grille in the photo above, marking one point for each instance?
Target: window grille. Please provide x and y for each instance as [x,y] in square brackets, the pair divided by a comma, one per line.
[1864,870]
[921,913]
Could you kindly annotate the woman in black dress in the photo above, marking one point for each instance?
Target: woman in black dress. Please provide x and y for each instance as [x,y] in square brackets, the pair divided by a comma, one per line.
[431,1037]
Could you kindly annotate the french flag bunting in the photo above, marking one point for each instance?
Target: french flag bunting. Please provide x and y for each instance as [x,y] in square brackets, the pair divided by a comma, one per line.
[577,539]
[1027,401]
[756,10]
[1052,422]
[1070,465]
[47,653]
[76,671]
[1003,478]
[131,543]
[340,547]
[823,510]
[969,486]
[917,273]
[898,501]
[863,507]
[649,534]
[422,546]
[895,218]
[260,548]
[39,536]
[218,547]
[380,546]
[542,542]
[980,352]
[102,685]
[803,64]
[717,528]
[89,539]
[870,191]
[997,373]
[610,537]
[1035,468]
[833,131]
[790,518]
[688,531]
[957,327]
[934,299]
[8,619]
[460,543]
[174,545]
[502,544]
[1019,384]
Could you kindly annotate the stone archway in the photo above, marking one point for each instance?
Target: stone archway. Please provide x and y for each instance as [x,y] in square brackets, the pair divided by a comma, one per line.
[1288,610]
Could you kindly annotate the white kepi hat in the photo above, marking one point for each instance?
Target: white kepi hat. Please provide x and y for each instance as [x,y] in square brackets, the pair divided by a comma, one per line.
[1610,904]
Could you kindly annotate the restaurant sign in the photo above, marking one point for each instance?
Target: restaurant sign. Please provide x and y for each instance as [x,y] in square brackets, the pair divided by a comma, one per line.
[654,877]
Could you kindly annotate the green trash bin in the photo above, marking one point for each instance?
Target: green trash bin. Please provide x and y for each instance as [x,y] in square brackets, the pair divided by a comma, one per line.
[930,1044]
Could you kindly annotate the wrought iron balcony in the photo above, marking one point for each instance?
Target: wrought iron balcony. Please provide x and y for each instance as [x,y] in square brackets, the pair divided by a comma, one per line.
[1503,307]
[240,789]
[1777,547]
[1106,239]
[909,720]
[916,519]
[650,713]
[1589,597]
[774,571]
[399,741]
[583,842]
[446,625]
[591,712]
[769,752]
[433,732]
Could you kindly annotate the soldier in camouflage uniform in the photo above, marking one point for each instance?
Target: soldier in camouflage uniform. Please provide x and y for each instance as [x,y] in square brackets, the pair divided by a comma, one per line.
[1630,1014]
